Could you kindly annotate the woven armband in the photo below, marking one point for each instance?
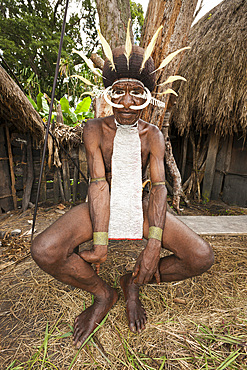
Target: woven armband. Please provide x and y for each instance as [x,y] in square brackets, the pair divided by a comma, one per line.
[158,183]
[98,179]
[155,233]
[100,238]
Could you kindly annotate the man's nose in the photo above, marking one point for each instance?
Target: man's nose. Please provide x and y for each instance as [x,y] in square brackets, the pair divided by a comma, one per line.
[127,100]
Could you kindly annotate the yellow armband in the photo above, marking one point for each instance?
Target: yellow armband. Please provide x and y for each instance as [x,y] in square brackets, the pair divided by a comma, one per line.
[100,238]
[158,183]
[98,179]
[155,233]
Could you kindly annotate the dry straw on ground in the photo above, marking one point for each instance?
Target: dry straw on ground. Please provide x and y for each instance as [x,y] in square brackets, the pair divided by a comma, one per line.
[199,323]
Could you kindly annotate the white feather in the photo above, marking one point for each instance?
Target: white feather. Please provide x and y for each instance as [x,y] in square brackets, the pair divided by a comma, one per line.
[107,50]
[170,57]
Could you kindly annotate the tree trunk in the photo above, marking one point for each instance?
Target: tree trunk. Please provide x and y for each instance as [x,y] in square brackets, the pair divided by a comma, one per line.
[176,17]
[113,19]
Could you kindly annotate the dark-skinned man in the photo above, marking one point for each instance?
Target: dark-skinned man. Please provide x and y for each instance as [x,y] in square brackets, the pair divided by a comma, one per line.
[119,148]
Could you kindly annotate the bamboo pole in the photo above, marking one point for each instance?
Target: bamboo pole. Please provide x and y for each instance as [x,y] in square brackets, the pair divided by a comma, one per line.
[11,165]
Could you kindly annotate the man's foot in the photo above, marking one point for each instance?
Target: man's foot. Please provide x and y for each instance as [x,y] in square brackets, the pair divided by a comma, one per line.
[136,314]
[89,319]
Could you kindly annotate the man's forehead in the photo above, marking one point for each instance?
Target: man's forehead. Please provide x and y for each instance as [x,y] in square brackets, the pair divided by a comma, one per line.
[127,82]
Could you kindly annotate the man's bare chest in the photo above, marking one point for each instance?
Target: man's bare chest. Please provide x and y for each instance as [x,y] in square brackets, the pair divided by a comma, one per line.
[107,151]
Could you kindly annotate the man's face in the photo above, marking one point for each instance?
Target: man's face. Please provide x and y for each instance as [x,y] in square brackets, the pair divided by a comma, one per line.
[127,93]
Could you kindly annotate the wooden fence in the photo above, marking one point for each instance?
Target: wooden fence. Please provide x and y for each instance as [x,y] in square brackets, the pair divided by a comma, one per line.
[20,163]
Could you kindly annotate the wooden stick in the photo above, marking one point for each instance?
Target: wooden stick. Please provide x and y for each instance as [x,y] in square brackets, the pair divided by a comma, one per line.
[11,165]
[30,176]
[75,183]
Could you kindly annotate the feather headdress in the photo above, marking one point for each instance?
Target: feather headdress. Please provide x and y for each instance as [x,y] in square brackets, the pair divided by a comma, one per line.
[137,65]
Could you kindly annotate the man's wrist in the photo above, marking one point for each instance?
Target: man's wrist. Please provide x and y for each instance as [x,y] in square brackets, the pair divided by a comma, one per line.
[100,238]
[155,233]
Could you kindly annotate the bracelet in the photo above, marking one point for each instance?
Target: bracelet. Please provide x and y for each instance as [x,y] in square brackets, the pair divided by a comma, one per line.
[158,183]
[98,179]
[100,238]
[155,233]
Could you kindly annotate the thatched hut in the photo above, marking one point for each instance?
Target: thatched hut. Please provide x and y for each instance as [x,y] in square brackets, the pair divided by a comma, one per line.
[21,137]
[211,110]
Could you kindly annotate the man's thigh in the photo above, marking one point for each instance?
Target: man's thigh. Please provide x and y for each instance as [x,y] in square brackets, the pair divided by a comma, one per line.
[177,237]
[71,229]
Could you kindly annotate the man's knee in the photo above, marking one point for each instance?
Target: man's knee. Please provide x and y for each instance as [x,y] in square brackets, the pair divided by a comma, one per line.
[45,252]
[201,259]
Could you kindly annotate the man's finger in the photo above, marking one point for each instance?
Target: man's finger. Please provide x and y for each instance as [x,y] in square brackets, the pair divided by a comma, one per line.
[157,276]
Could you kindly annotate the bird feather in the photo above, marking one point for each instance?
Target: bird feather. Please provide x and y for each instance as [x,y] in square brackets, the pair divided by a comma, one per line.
[87,61]
[128,44]
[170,57]
[150,47]
[107,50]
[168,91]
[172,79]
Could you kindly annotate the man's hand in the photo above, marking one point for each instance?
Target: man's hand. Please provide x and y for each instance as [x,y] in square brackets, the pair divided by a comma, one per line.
[96,255]
[147,264]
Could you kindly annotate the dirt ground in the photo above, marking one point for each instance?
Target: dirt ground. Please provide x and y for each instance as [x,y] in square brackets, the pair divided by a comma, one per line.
[199,323]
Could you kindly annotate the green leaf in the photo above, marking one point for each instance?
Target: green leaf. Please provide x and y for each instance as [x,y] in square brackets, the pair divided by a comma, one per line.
[45,105]
[84,105]
[73,117]
[39,101]
[32,102]
[64,105]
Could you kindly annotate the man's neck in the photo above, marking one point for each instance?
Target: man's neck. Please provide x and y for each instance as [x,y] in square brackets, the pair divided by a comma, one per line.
[135,124]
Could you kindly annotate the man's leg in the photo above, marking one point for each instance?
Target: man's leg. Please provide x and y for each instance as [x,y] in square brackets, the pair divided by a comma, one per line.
[53,251]
[191,256]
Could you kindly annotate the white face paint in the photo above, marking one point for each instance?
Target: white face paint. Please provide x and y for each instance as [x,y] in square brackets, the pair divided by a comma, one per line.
[131,87]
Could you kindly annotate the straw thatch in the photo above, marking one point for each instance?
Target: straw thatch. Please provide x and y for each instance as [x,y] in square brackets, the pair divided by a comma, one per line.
[16,109]
[215,94]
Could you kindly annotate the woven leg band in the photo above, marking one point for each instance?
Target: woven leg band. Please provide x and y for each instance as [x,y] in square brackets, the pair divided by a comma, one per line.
[100,238]
[155,233]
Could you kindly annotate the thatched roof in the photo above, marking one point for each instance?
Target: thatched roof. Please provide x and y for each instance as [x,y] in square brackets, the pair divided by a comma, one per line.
[16,109]
[215,94]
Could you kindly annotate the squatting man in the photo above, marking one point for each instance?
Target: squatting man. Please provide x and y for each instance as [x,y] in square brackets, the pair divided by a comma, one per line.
[119,149]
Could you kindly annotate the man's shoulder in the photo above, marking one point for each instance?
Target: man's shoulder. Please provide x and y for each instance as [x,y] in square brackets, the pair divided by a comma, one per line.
[151,129]
[97,123]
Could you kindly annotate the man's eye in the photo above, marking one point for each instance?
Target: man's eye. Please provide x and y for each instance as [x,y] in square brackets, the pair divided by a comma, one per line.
[117,94]
[138,93]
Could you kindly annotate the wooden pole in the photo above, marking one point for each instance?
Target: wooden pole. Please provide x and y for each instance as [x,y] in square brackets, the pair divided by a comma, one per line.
[11,165]
[56,186]
[210,165]
[75,183]
[30,176]
[43,182]
[66,177]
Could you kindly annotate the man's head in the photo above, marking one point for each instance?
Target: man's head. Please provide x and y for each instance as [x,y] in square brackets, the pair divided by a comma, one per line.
[127,95]
[128,85]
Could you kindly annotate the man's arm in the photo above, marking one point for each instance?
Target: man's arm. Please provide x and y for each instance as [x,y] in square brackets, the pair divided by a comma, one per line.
[98,193]
[147,263]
